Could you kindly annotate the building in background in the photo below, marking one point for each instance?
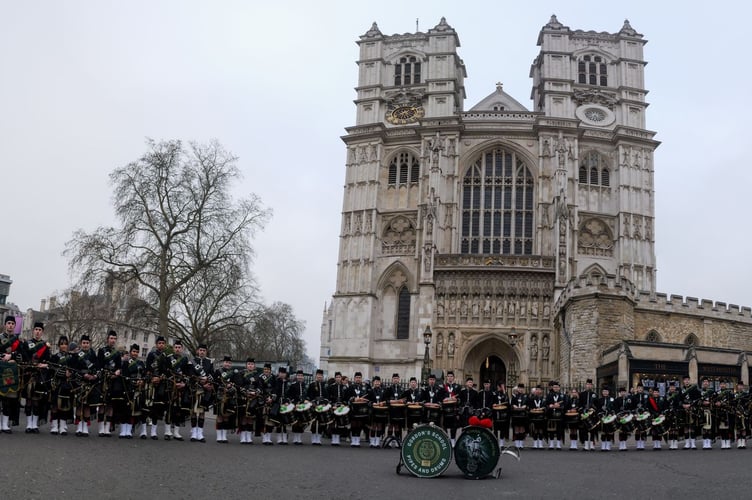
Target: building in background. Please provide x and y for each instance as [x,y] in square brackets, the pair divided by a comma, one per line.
[524,238]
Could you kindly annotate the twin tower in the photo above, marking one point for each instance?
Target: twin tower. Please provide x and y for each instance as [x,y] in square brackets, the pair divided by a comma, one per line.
[496,227]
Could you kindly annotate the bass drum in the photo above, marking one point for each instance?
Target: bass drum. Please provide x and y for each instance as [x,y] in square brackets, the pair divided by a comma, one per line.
[426,451]
[476,452]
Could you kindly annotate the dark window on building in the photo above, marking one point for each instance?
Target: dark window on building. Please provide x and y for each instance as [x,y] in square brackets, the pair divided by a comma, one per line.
[497,206]
[407,71]
[403,314]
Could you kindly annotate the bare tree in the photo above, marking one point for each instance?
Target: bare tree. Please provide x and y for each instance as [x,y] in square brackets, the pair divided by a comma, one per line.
[212,306]
[177,220]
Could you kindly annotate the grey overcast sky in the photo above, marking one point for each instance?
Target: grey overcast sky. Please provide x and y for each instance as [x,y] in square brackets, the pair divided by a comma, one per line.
[85,82]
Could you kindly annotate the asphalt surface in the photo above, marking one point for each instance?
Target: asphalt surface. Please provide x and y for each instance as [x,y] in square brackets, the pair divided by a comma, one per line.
[47,466]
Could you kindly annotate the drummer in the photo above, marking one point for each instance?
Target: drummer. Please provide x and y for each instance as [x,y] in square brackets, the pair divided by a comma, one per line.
[657,405]
[572,404]
[296,393]
[501,413]
[605,406]
[555,413]
[623,408]
[519,404]
[356,393]
[587,403]
[413,396]
[376,397]
[450,391]
[337,398]
[317,392]
[537,406]
[393,393]
[432,395]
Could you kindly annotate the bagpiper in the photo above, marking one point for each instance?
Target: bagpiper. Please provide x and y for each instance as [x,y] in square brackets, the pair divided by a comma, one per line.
[61,394]
[202,392]
[36,379]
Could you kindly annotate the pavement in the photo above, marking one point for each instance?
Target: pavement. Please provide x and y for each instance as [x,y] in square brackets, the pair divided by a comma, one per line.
[48,466]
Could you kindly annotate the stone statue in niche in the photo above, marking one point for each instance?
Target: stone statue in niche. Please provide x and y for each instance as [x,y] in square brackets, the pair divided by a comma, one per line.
[463,306]
[487,306]
[440,345]
[534,309]
[440,308]
[546,310]
[475,307]
[545,346]
[450,345]
[533,348]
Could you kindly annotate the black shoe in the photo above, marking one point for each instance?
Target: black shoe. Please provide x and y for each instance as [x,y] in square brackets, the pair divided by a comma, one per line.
[29,430]
[155,438]
[167,438]
[193,440]
[7,431]
[202,440]
[178,439]
[64,433]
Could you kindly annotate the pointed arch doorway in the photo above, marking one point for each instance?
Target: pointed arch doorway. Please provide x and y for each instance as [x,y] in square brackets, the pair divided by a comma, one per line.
[492,368]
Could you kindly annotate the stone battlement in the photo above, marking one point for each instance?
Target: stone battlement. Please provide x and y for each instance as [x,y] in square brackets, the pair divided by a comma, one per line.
[645,300]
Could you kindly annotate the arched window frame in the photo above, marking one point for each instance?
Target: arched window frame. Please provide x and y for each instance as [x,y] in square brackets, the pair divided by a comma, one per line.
[402,321]
[498,192]
[594,170]
[404,168]
[653,336]
[407,71]
[592,69]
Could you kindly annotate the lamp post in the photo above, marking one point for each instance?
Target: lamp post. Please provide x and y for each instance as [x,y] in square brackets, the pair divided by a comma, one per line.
[512,337]
[427,356]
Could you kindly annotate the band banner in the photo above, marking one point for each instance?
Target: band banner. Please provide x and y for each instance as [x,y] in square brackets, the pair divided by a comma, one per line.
[9,380]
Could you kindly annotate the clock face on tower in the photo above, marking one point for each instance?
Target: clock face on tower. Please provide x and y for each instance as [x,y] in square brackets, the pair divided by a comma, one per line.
[405,114]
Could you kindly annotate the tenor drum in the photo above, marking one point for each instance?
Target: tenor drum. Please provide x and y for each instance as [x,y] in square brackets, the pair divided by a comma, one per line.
[476,452]
[426,451]
[449,407]
[324,414]
[432,413]
[572,417]
[414,412]
[659,426]
[642,421]
[304,412]
[286,411]
[625,422]
[396,412]
[380,413]
[519,416]
[608,424]
[359,408]
[342,416]
[500,412]
[537,414]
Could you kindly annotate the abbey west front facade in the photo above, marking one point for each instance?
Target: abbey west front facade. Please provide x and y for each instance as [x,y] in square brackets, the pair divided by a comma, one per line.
[523,238]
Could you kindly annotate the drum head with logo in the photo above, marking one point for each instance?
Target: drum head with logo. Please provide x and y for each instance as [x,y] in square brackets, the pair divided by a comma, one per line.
[476,452]
[426,451]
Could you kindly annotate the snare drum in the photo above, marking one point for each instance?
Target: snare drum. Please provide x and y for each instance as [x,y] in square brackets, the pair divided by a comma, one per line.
[359,407]
[625,423]
[659,425]
[642,421]
[324,414]
[286,413]
[590,420]
[608,424]
[303,413]
[432,413]
[342,416]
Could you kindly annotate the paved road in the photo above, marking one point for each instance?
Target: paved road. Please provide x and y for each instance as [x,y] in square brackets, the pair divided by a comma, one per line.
[46,466]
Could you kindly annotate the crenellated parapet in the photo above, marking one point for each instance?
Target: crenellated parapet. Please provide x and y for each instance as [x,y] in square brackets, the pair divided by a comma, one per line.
[593,284]
[678,304]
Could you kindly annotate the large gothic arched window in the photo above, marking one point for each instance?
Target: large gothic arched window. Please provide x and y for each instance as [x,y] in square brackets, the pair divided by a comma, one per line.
[497,205]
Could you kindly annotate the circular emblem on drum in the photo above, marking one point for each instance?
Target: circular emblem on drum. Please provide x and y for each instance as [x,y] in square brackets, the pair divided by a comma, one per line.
[476,452]
[427,451]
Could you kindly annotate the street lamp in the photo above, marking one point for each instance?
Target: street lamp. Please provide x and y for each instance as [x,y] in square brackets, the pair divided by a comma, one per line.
[427,356]
[512,336]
